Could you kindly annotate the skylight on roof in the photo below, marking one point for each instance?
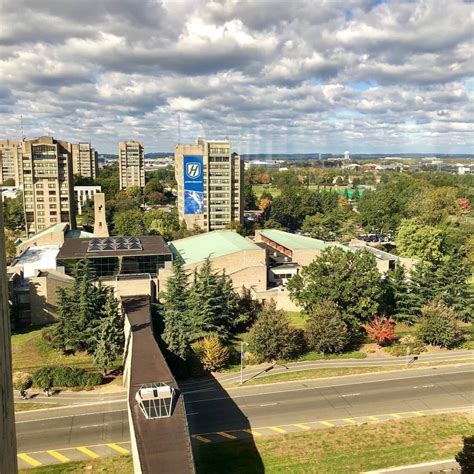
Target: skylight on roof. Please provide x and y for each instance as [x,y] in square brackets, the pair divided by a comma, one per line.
[114,243]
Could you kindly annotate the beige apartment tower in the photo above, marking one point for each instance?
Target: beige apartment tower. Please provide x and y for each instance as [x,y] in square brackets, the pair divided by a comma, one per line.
[210,184]
[84,160]
[10,150]
[131,167]
[47,177]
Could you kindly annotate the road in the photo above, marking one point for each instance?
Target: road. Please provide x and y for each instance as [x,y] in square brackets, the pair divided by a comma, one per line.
[213,409]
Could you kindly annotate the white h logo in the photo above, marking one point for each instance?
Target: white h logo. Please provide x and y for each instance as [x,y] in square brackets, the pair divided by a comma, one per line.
[193,170]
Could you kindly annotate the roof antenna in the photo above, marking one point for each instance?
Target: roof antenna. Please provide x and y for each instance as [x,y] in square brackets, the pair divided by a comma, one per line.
[21,127]
[179,128]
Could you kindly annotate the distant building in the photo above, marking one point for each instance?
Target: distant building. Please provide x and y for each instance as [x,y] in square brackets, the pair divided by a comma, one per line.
[84,160]
[10,151]
[8,192]
[47,177]
[261,163]
[210,184]
[84,194]
[131,166]
[347,155]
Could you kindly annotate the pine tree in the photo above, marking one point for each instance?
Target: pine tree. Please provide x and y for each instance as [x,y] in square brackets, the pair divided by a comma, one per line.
[110,335]
[176,332]
[398,286]
[422,288]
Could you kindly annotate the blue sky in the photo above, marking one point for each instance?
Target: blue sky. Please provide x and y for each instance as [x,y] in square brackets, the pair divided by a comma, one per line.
[272,75]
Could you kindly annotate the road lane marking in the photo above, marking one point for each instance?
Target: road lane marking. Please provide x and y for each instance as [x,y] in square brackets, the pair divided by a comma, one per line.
[201,438]
[395,415]
[226,435]
[58,456]
[302,426]
[326,423]
[349,420]
[278,430]
[28,459]
[351,395]
[87,451]
[118,448]
[252,432]
[92,426]
[268,404]
[374,418]
[68,416]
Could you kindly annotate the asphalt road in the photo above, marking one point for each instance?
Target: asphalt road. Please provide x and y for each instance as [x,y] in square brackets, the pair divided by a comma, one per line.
[211,408]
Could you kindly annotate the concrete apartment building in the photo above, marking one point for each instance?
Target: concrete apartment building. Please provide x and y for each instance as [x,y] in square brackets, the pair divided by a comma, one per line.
[47,175]
[210,184]
[84,160]
[9,162]
[84,194]
[131,166]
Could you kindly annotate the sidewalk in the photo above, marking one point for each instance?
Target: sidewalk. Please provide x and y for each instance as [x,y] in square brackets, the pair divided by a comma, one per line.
[435,467]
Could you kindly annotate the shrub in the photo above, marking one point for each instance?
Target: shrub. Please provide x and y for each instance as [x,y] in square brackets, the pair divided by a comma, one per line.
[439,325]
[465,457]
[409,344]
[21,381]
[272,337]
[381,330]
[213,354]
[326,331]
[63,376]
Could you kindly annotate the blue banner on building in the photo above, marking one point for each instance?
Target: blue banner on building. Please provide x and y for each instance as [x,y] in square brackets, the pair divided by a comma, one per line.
[193,185]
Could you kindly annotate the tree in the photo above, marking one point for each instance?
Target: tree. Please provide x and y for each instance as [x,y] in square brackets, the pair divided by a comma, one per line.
[250,199]
[326,331]
[397,295]
[129,223]
[432,204]
[154,185]
[272,337]
[176,332]
[415,239]
[162,222]
[10,247]
[134,192]
[381,330]
[439,325]
[465,457]
[349,279]
[110,337]
[213,354]
[14,218]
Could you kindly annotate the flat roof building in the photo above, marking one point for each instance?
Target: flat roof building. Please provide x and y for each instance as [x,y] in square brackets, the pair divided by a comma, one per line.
[210,184]
[84,194]
[10,151]
[84,160]
[130,161]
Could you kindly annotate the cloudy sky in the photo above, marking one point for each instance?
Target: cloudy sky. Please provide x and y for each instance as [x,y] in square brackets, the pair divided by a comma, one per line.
[272,75]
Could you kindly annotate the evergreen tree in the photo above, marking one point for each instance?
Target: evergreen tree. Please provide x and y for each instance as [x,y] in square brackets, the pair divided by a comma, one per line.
[422,288]
[110,337]
[398,295]
[176,332]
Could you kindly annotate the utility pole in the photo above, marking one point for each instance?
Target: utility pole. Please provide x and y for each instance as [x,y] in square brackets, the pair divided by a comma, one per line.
[242,343]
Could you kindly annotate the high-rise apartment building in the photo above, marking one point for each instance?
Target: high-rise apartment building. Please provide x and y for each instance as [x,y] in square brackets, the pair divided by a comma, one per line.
[9,162]
[210,184]
[131,168]
[84,160]
[47,177]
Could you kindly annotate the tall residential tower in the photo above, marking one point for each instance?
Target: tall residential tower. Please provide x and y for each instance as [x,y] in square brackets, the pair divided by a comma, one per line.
[131,168]
[210,184]
[84,160]
[9,162]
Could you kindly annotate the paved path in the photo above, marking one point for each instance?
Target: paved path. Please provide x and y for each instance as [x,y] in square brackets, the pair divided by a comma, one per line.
[216,414]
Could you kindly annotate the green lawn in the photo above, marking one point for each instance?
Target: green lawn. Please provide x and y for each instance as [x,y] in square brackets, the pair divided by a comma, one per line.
[30,352]
[297,319]
[340,450]
[112,465]
[258,189]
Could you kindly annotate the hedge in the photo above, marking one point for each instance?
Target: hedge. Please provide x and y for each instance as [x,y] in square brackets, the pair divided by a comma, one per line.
[63,376]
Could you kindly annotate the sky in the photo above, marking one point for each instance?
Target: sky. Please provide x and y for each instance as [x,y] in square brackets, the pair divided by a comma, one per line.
[274,76]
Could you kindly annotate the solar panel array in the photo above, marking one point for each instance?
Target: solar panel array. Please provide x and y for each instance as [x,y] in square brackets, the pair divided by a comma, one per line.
[114,244]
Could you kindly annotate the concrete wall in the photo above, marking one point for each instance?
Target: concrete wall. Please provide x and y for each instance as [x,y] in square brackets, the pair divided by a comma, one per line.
[303,257]
[281,298]
[134,286]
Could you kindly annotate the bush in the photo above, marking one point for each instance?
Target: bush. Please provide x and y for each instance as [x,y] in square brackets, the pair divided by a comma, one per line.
[272,337]
[213,354]
[381,331]
[410,342]
[439,325]
[465,457]
[22,381]
[326,331]
[62,376]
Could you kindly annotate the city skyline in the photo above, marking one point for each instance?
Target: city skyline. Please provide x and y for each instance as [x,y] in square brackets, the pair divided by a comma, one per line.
[367,76]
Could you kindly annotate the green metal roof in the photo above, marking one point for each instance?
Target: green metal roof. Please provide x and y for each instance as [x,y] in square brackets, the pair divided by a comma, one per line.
[79,234]
[54,228]
[294,241]
[216,244]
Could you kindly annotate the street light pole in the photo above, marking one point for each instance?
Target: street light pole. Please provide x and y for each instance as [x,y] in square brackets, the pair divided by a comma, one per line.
[242,361]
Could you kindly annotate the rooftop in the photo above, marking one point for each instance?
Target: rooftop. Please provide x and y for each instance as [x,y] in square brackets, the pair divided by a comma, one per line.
[41,257]
[215,244]
[61,227]
[294,241]
[79,248]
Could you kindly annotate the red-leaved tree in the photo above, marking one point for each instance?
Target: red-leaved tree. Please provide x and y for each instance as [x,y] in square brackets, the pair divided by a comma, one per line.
[381,330]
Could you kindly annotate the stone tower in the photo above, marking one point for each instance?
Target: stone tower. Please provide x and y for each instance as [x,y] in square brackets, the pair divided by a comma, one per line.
[100,224]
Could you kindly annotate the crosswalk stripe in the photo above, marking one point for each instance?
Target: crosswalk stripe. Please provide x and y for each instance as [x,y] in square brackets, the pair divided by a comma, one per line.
[58,456]
[302,426]
[252,432]
[31,461]
[201,438]
[395,415]
[327,423]
[278,430]
[87,451]
[226,435]
[118,448]
[348,420]
[372,418]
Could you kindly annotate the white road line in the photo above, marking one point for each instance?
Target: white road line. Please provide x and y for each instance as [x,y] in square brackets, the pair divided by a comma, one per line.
[268,404]
[92,426]
[70,416]
[351,395]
